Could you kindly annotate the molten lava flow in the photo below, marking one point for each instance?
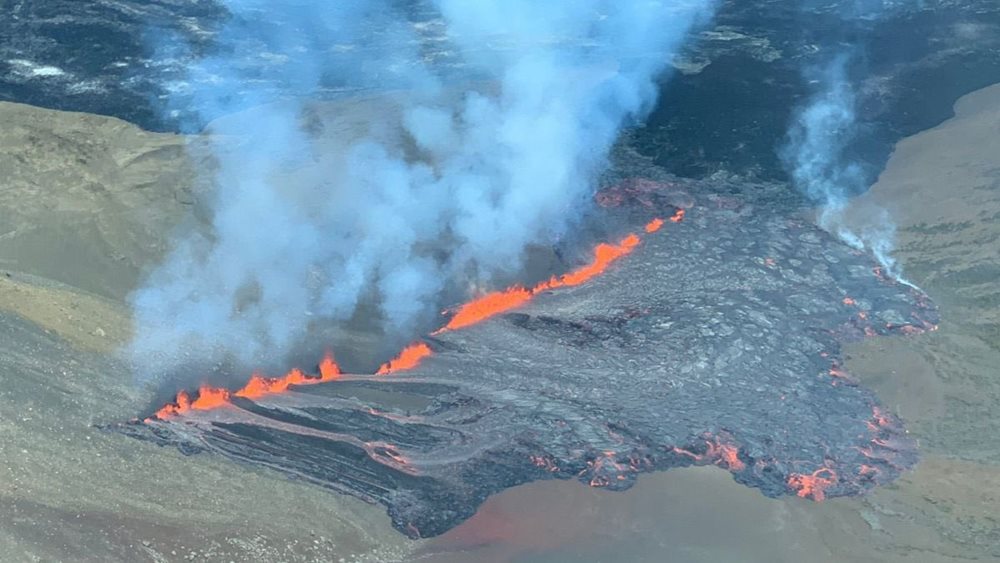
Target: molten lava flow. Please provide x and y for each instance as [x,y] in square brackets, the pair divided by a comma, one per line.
[544,462]
[813,485]
[718,451]
[210,397]
[328,369]
[409,358]
[181,404]
[604,255]
[477,310]
[498,302]
[868,471]
[728,456]
[487,306]
[880,419]
[259,386]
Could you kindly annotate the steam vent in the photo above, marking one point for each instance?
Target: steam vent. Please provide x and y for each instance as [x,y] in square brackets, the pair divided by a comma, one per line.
[706,330]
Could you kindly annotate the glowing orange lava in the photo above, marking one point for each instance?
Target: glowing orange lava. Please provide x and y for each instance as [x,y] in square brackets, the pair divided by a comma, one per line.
[259,386]
[210,398]
[718,452]
[328,369]
[837,372]
[487,306]
[181,404]
[814,485]
[868,471]
[497,302]
[479,309]
[604,255]
[409,358]
[728,456]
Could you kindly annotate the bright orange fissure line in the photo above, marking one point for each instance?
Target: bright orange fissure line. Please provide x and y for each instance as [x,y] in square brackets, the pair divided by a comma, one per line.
[473,312]
[498,302]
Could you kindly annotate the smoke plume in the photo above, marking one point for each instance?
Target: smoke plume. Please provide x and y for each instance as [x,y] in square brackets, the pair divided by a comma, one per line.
[817,155]
[492,122]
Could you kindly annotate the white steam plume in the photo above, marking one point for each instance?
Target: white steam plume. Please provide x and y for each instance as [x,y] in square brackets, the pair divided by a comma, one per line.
[815,153]
[445,184]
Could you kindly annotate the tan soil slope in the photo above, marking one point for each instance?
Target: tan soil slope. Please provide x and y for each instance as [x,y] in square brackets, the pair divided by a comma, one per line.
[942,188]
[87,200]
[86,204]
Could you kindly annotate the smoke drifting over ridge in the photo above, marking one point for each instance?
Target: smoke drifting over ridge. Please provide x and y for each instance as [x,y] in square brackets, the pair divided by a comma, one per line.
[441,185]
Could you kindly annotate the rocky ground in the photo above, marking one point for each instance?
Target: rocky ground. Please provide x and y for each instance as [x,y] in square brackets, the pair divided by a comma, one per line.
[942,188]
[725,108]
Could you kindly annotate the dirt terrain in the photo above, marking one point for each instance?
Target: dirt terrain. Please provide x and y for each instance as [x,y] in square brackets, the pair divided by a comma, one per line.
[87,203]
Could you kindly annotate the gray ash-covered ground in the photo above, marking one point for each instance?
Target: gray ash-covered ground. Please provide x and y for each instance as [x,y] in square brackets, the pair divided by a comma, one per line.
[716,341]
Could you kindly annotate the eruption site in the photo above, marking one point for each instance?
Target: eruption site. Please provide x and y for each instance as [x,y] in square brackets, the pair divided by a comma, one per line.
[706,330]
[711,341]
[489,305]
[386,156]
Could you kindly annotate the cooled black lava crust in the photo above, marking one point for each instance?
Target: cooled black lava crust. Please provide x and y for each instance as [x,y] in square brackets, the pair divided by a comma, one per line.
[717,341]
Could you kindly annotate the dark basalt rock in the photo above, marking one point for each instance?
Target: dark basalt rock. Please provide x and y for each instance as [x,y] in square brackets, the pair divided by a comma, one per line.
[99,56]
[727,108]
[717,341]
[730,105]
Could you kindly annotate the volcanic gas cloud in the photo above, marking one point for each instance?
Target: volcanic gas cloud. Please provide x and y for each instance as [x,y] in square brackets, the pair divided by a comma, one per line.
[209,397]
[463,159]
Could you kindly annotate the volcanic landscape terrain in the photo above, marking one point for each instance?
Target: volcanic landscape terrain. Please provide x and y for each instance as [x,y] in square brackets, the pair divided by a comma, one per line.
[692,387]
[713,337]
[75,492]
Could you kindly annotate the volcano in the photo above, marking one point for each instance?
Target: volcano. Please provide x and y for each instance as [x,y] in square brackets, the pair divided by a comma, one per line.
[711,335]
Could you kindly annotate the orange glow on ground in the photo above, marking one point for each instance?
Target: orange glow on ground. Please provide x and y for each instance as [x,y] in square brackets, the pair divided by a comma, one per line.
[604,255]
[487,306]
[729,457]
[181,404]
[259,386]
[813,485]
[209,398]
[409,358]
[497,302]
[328,369]
[477,310]
[717,452]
